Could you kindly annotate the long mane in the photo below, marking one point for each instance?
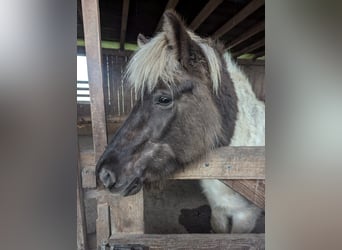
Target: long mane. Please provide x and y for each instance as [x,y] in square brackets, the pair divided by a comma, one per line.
[156,61]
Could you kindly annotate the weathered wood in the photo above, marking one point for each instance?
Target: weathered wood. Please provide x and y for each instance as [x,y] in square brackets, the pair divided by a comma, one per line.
[204,13]
[171,4]
[102,223]
[253,190]
[249,48]
[88,177]
[125,8]
[87,170]
[250,32]
[240,16]
[228,163]
[91,16]
[81,222]
[127,213]
[223,163]
[192,241]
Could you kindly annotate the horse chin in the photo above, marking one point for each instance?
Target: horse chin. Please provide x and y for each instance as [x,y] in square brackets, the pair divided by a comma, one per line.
[133,188]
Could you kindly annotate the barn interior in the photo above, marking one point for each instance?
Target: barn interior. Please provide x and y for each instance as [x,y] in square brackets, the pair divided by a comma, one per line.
[239,24]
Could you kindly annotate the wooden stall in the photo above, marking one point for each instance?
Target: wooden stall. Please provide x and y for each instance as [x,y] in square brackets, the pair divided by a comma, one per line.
[120,221]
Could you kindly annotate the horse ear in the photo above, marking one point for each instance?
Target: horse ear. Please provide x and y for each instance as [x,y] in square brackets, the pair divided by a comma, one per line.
[177,36]
[142,40]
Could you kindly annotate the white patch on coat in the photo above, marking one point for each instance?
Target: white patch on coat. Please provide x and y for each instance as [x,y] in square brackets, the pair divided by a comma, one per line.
[249,131]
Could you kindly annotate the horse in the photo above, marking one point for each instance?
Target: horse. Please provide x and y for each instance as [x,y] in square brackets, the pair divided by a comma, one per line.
[191,99]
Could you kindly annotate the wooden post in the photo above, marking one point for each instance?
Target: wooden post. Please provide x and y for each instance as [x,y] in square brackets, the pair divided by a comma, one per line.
[92,38]
[81,222]
[102,223]
[91,21]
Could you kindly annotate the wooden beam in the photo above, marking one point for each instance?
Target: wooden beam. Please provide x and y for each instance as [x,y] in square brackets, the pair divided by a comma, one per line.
[81,221]
[191,241]
[259,54]
[251,32]
[240,16]
[248,62]
[253,190]
[92,37]
[79,10]
[250,48]
[204,13]
[223,163]
[171,4]
[227,163]
[127,214]
[102,223]
[124,18]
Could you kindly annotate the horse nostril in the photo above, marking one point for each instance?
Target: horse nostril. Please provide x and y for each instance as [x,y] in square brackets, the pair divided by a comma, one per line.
[107,177]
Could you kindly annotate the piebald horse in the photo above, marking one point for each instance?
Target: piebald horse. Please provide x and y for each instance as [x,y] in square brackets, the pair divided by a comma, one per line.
[192,98]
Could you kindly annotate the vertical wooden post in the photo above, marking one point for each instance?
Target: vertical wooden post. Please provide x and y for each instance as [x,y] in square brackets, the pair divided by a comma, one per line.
[123,206]
[81,223]
[92,38]
[102,223]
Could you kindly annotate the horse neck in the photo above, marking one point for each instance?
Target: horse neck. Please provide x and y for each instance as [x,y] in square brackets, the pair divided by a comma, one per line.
[249,127]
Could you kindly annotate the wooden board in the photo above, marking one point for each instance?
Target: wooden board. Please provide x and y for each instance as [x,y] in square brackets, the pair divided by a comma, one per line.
[81,222]
[192,241]
[127,214]
[102,223]
[223,163]
[228,163]
[253,190]
[87,162]
[92,38]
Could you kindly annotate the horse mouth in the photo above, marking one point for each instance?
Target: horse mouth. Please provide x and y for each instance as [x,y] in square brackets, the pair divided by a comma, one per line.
[130,189]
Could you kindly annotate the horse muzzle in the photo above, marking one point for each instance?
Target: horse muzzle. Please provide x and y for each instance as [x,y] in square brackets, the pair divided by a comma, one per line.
[108,179]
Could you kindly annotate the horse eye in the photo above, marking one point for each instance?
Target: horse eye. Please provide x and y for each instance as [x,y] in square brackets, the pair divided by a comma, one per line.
[163,100]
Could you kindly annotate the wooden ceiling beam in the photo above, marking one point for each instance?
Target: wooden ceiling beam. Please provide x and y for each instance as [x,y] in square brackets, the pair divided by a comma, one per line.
[204,13]
[250,48]
[258,54]
[240,16]
[171,4]
[251,32]
[125,8]
[79,10]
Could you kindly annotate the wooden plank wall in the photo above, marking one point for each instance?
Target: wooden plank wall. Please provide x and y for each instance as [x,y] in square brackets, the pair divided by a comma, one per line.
[119,98]
[255,71]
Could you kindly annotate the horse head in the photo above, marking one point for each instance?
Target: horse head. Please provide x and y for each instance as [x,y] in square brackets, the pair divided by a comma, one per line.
[178,116]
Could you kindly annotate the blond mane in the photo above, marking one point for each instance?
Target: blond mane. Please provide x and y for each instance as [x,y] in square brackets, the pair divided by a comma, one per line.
[155,62]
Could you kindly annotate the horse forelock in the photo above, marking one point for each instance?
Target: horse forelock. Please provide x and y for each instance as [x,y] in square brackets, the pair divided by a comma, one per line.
[156,61]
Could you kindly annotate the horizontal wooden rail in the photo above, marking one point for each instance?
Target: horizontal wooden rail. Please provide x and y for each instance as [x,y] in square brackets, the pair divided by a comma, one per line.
[190,241]
[228,163]
[222,163]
